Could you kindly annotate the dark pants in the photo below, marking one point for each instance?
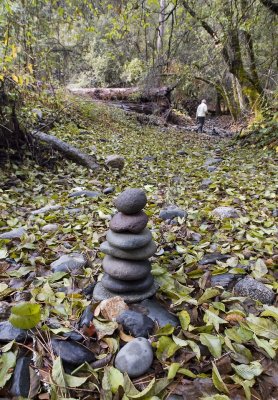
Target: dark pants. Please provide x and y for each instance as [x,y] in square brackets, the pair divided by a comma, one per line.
[201,121]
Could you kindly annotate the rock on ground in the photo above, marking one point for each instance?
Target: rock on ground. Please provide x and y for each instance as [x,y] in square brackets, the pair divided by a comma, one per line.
[115,161]
[211,258]
[112,308]
[69,262]
[8,333]
[50,228]
[16,233]
[137,254]
[136,324]
[171,212]
[225,212]
[134,223]
[159,313]
[85,193]
[21,378]
[129,241]
[128,270]
[250,287]
[135,358]
[72,352]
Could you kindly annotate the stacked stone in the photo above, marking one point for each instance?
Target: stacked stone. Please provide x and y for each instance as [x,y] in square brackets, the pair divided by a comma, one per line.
[129,245]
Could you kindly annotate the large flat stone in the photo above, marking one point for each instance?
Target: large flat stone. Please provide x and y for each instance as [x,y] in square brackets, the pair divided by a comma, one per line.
[16,233]
[69,262]
[8,333]
[21,378]
[159,313]
[211,258]
[136,254]
[72,352]
[120,286]
[100,293]
[134,223]
[129,241]
[131,201]
[125,269]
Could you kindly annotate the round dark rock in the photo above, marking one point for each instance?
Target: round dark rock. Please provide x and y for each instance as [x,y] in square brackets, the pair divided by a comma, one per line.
[125,269]
[227,281]
[136,324]
[100,293]
[129,241]
[120,286]
[135,358]
[8,333]
[250,287]
[131,201]
[134,223]
[137,254]
[72,352]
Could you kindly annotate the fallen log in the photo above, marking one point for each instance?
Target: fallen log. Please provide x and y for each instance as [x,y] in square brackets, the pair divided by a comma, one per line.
[67,150]
[134,94]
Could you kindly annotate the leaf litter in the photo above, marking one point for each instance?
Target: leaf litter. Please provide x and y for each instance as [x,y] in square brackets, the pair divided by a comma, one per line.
[225,345]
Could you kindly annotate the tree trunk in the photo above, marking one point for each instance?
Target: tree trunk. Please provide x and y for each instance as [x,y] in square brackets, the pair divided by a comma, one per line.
[69,151]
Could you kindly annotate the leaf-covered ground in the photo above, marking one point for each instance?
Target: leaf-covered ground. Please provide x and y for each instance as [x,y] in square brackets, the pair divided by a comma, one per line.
[225,347]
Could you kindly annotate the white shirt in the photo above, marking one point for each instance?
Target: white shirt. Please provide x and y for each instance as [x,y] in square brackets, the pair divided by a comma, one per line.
[202,110]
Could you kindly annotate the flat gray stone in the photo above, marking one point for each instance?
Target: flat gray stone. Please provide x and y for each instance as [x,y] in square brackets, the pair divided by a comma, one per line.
[125,269]
[85,193]
[227,281]
[135,358]
[50,228]
[225,212]
[8,333]
[72,352]
[46,209]
[21,378]
[159,313]
[16,233]
[69,262]
[129,241]
[211,258]
[137,254]
[131,201]
[120,286]
[100,293]
[213,161]
[134,223]
[171,212]
[211,168]
[109,190]
[205,183]
[250,287]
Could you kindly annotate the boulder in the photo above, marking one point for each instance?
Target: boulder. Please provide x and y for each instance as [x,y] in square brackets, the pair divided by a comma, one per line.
[115,161]
[225,212]
[250,287]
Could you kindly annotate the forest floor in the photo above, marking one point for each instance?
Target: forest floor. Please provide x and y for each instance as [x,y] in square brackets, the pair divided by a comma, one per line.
[228,338]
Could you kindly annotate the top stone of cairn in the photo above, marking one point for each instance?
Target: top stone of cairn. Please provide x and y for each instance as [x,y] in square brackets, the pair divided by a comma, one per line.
[131,201]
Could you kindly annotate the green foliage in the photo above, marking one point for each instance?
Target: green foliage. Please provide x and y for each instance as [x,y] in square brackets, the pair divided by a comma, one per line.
[25,315]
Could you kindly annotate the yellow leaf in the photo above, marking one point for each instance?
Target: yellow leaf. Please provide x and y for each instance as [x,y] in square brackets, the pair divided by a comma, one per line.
[1,77]
[20,80]
[14,51]
[30,68]
[15,78]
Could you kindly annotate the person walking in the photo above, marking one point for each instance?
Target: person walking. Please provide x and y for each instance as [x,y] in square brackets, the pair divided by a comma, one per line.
[201,113]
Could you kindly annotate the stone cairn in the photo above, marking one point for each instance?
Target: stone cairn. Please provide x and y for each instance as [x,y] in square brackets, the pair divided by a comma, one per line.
[129,245]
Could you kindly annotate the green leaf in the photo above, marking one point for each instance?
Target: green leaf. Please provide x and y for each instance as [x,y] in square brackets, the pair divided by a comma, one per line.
[3,253]
[174,367]
[263,327]
[208,294]
[270,311]
[166,348]
[264,344]
[218,381]
[25,315]
[212,319]
[239,334]
[259,269]
[58,378]
[105,328]
[165,330]
[112,379]
[213,343]
[184,318]
[7,362]
[248,371]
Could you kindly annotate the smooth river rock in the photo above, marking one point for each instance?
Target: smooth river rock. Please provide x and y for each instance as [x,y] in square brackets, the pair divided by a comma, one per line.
[16,233]
[250,287]
[136,254]
[85,193]
[120,286]
[125,269]
[211,258]
[135,358]
[72,352]
[134,223]
[129,241]
[100,293]
[136,324]
[131,201]
[115,161]
[171,212]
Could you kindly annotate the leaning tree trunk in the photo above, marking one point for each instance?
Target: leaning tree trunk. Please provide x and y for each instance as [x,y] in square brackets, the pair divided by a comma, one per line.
[67,150]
